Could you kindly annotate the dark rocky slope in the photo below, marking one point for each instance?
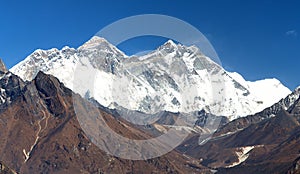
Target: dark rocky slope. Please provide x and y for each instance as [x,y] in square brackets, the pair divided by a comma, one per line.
[40,134]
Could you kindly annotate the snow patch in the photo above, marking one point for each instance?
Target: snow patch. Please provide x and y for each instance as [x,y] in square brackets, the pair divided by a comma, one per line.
[243,154]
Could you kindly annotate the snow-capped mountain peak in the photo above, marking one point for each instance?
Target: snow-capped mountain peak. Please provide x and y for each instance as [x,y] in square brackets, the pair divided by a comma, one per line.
[99,43]
[170,43]
[94,42]
[264,91]
[298,88]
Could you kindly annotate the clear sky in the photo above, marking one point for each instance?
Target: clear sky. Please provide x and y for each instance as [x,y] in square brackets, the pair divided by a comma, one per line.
[257,38]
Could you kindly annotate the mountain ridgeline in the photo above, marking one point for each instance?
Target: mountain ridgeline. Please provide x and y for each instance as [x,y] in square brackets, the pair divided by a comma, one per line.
[161,80]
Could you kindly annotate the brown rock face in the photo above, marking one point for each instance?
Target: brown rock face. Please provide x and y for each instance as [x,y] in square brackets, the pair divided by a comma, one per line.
[2,66]
[40,134]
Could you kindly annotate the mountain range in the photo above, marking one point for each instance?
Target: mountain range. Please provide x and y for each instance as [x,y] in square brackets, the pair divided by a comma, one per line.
[173,78]
[257,130]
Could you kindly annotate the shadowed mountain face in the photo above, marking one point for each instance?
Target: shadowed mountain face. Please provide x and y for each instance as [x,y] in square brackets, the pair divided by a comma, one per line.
[288,103]
[40,134]
[269,145]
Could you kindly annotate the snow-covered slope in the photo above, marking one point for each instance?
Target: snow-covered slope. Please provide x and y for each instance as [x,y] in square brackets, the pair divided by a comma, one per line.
[267,91]
[173,77]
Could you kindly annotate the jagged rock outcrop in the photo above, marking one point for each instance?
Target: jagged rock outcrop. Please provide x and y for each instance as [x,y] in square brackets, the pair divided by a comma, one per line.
[2,66]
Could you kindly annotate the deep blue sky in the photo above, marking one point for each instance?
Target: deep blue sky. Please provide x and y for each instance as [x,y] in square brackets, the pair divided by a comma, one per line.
[258,39]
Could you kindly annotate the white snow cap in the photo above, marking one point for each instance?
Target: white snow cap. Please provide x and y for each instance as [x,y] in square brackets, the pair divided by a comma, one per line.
[177,80]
